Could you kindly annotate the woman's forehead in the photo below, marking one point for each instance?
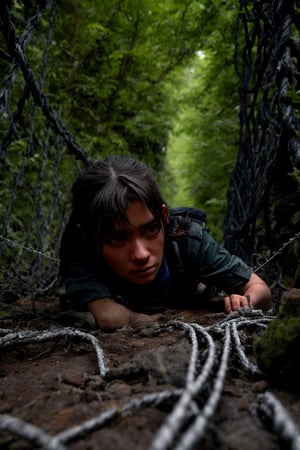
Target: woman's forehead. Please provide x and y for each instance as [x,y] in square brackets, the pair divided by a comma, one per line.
[137,214]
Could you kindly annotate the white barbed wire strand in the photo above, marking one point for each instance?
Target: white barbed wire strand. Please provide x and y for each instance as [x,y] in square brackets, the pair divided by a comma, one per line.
[41,439]
[237,322]
[191,371]
[28,249]
[82,430]
[270,408]
[107,416]
[243,315]
[258,322]
[14,338]
[196,431]
[5,331]
[40,336]
[169,430]
[244,360]
[29,432]
[36,435]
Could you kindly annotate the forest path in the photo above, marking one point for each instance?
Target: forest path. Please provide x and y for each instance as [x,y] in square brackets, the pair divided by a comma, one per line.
[56,384]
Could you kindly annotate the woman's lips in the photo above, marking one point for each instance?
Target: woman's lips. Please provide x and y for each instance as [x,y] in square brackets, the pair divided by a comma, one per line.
[146,271]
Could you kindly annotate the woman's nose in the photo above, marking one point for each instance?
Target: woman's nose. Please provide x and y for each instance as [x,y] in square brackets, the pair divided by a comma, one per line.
[140,251]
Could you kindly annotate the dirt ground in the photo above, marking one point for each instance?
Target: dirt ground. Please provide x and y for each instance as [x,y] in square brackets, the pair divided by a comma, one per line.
[55,384]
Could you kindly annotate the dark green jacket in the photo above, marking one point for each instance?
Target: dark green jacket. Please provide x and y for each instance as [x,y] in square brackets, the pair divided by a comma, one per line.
[189,258]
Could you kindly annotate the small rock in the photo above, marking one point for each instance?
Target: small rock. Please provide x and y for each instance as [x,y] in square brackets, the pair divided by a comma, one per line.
[260,386]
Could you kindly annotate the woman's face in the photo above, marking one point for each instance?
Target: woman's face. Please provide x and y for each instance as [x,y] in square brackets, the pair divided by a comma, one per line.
[135,249]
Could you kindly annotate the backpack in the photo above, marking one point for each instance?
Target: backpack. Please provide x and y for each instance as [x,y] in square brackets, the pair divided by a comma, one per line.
[196,215]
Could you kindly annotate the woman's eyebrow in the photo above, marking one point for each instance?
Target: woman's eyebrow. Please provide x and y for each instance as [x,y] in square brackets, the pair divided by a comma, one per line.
[150,222]
[125,228]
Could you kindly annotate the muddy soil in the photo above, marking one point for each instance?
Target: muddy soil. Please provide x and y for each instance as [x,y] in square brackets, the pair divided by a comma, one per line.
[56,384]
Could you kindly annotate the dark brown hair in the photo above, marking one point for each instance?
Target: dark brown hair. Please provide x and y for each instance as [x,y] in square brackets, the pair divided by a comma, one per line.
[103,192]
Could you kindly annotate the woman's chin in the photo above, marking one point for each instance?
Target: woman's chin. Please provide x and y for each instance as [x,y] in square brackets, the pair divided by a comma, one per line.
[143,277]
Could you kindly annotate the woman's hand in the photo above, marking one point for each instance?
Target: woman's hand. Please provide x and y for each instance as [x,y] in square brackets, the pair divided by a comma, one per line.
[110,315]
[234,302]
[254,294]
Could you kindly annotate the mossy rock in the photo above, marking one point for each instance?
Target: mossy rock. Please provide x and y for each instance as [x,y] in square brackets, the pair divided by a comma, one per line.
[277,349]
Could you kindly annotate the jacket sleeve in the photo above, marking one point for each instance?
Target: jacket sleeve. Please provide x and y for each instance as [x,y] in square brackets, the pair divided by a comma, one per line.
[79,268]
[83,285]
[213,264]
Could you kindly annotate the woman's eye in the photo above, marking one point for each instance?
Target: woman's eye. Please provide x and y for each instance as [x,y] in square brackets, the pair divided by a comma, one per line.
[153,228]
[114,239]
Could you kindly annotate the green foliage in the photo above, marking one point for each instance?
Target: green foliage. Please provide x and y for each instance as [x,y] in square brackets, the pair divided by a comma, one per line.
[202,142]
[124,77]
[109,62]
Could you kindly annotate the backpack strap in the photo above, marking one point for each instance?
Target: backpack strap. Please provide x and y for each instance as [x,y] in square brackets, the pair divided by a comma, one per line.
[178,261]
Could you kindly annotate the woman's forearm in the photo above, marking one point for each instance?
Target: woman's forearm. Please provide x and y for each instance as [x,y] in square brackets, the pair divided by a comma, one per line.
[110,315]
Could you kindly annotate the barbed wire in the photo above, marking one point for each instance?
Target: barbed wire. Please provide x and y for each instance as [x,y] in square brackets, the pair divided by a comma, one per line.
[28,249]
[52,258]
[271,410]
[188,422]
[277,252]
[258,143]
[267,60]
